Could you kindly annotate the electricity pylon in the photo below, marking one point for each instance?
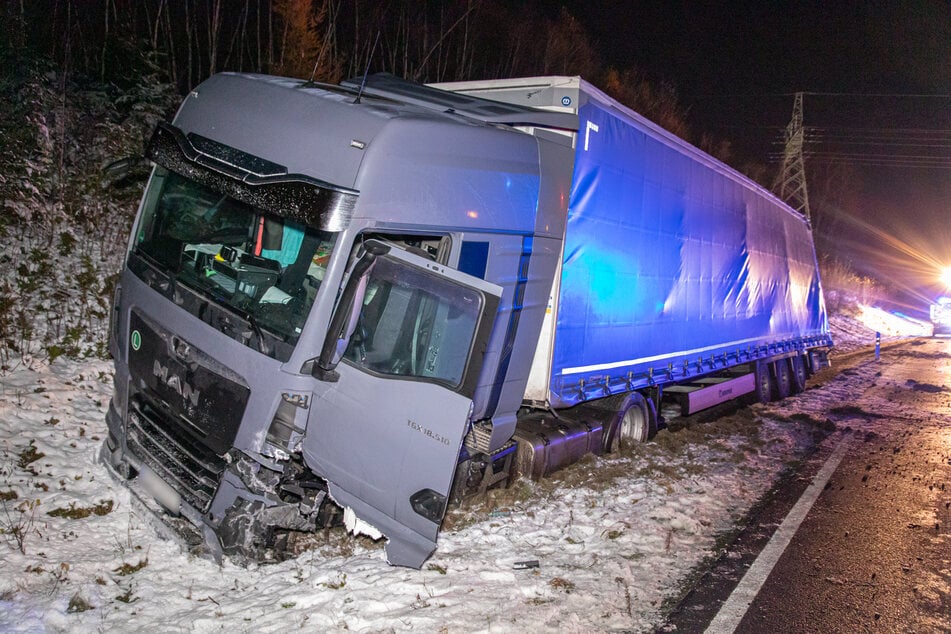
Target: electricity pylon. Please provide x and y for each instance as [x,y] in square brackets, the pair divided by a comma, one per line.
[790,183]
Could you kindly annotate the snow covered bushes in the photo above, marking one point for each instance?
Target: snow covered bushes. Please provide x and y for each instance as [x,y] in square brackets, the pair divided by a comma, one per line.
[844,289]
[63,226]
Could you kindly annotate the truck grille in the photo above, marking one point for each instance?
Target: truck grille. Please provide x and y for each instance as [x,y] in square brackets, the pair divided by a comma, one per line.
[185,464]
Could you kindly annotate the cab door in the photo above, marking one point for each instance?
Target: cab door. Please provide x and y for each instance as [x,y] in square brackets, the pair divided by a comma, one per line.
[391,408]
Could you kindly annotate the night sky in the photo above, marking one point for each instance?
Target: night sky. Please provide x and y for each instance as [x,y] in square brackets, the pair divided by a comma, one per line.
[736,65]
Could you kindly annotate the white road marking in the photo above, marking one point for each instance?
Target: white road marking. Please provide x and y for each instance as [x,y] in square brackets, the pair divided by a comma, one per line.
[734,608]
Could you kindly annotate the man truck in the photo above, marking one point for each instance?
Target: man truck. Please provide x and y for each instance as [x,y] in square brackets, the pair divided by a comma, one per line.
[359,302]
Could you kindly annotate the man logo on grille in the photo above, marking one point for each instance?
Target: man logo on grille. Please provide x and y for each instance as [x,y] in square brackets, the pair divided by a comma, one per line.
[175,383]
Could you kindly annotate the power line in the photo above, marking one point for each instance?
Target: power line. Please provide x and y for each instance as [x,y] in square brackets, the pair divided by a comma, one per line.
[882,130]
[822,133]
[894,148]
[878,95]
[879,143]
[868,155]
[889,164]
[920,137]
[911,147]
[822,94]
[873,160]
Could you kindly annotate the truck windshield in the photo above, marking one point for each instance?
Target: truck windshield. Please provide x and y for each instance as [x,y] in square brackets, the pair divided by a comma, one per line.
[265,268]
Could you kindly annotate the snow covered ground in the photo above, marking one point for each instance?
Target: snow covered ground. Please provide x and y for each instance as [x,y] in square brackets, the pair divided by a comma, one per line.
[852,331]
[615,538]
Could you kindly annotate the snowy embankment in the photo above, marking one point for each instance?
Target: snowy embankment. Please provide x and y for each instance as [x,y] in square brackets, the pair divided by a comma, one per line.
[614,537]
[858,328]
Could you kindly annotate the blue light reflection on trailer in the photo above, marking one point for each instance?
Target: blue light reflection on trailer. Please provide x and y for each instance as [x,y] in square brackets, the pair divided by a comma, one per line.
[670,259]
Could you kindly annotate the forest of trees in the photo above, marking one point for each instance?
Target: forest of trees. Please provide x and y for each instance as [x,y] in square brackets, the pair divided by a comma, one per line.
[181,42]
[83,82]
[325,40]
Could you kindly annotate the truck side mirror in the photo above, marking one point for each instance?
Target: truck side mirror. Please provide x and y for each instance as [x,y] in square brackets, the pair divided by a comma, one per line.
[347,313]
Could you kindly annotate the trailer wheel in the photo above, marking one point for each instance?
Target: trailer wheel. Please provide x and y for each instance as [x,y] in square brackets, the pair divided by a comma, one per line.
[783,385]
[634,420]
[764,382]
[797,368]
[807,365]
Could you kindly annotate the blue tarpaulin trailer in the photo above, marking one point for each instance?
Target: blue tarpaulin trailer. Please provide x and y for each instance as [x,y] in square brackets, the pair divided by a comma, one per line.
[674,265]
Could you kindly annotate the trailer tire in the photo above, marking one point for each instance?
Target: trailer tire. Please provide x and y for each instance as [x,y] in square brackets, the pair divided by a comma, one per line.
[634,420]
[782,387]
[797,367]
[764,382]
[807,365]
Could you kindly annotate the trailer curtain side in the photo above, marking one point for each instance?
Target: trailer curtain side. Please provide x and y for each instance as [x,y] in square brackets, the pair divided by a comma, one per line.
[673,263]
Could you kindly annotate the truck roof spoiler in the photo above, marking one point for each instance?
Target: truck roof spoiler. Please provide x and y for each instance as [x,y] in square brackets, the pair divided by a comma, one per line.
[392,87]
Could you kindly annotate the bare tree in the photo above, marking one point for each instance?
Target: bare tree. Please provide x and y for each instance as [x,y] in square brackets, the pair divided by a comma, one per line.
[302,51]
[721,149]
[214,31]
[446,33]
[568,49]
[656,101]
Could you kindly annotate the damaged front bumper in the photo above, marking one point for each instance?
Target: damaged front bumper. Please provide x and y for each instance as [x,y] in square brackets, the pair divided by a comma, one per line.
[246,510]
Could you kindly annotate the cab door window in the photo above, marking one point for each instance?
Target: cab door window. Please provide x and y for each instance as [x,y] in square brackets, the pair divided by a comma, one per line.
[415,325]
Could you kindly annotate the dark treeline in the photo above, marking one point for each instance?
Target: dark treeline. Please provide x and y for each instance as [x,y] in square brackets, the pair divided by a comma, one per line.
[181,42]
[83,81]
[425,40]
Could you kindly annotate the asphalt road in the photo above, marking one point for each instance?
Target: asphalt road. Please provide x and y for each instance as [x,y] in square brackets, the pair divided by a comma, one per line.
[859,540]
